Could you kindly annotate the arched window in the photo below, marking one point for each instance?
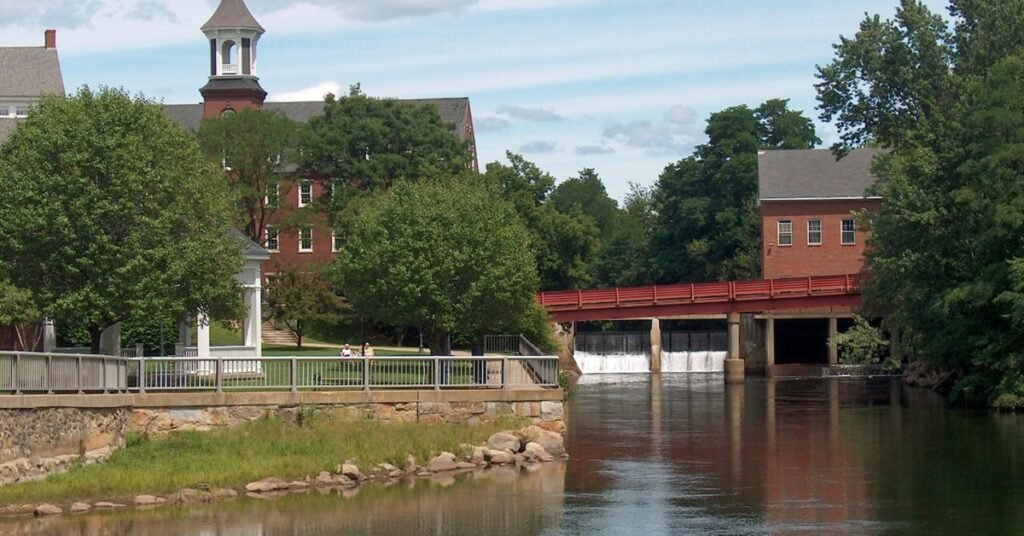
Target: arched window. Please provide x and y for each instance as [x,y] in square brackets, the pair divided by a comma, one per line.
[229,57]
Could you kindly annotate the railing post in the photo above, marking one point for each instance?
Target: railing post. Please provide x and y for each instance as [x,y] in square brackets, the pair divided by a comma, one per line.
[220,375]
[366,374]
[771,288]
[103,367]
[142,375]
[46,376]
[78,374]
[15,383]
[437,374]
[294,366]
[504,373]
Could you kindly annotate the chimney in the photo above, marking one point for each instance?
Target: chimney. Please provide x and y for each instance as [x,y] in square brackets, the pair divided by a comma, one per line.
[51,38]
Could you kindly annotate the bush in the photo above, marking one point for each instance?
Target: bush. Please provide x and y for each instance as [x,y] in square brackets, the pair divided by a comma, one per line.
[862,344]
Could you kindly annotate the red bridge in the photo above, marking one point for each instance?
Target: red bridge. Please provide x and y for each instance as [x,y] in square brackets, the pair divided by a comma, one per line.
[703,299]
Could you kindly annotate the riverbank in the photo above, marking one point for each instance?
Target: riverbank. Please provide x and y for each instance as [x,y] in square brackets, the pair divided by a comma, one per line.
[313,448]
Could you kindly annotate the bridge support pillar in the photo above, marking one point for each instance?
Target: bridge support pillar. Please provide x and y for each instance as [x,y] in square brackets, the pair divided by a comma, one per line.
[769,347]
[655,346]
[833,348]
[735,368]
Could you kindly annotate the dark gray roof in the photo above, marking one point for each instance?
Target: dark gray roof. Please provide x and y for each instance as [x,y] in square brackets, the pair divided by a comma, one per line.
[232,14]
[453,110]
[30,72]
[815,174]
[7,126]
[250,249]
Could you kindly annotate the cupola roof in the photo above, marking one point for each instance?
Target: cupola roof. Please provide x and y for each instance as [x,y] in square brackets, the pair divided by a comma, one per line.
[232,14]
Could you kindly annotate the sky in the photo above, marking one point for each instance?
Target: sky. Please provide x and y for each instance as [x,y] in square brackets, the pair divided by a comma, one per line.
[621,86]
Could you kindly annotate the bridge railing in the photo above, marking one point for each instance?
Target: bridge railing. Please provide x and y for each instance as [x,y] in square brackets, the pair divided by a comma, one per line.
[702,292]
[29,373]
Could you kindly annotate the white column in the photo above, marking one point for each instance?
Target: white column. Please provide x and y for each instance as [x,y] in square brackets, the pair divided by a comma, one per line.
[49,336]
[252,328]
[202,335]
[833,348]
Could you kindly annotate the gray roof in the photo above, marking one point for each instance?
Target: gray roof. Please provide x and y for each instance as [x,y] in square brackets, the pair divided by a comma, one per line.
[453,110]
[30,72]
[250,250]
[232,14]
[815,174]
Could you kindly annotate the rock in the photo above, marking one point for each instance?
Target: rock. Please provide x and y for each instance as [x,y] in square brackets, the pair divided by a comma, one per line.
[106,505]
[424,473]
[223,493]
[388,468]
[266,485]
[504,441]
[500,457]
[397,473]
[148,500]
[442,463]
[350,470]
[298,485]
[80,507]
[551,441]
[324,479]
[537,452]
[553,426]
[520,458]
[465,465]
[410,464]
[479,455]
[191,496]
[48,510]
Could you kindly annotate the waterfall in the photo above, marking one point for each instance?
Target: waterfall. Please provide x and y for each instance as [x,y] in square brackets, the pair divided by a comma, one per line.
[612,364]
[693,361]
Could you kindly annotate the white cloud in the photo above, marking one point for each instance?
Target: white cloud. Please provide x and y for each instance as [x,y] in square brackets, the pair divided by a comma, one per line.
[491,124]
[529,114]
[315,93]
[676,133]
[588,150]
[539,147]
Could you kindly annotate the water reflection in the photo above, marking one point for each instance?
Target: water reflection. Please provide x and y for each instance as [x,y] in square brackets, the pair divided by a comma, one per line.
[683,454]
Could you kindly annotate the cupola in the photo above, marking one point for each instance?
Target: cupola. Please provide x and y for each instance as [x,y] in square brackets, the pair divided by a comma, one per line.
[233,34]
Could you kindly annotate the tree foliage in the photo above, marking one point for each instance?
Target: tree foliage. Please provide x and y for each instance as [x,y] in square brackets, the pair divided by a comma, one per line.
[254,146]
[297,297]
[708,223]
[16,308]
[109,209]
[443,256]
[862,344]
[946,248]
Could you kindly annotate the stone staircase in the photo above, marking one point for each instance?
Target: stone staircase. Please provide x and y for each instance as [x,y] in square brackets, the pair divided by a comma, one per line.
[273,335]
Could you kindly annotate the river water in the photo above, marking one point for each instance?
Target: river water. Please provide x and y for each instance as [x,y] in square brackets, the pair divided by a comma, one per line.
[680,454]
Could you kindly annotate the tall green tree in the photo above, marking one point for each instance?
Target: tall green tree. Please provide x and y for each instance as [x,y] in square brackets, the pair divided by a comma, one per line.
[625,255]
[565,244]
[298,297]
[946,248]
[445,256]
[254,147]
[708,224]
[110,209]
[16,309]
[363,144]
[586,193]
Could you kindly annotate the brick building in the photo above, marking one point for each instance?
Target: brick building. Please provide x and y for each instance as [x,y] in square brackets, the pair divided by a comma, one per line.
[808,201]
[233,84]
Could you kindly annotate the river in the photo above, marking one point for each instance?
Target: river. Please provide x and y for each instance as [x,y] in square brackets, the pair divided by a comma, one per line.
[680,454]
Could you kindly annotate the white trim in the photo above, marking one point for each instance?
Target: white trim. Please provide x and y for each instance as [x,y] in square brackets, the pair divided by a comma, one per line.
[334,241]
[277,238]
[302,186]
[778,233]
[820,231]
[302,230]
[842,232]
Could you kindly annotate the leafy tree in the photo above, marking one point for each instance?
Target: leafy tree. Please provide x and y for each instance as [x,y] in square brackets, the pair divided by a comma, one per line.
[254,146]
[297,298]
[16,308]
[625,254]
[370,144]
[708,224]
[443,256]
[565,243]
[862,344]
[946,247]
[587,193]
[109,210]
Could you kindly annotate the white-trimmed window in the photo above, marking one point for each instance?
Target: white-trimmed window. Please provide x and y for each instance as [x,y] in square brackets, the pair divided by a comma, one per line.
[273,199]
[785,233]
[273,238]
[813,232]
[305,193]
[4,111]
[849,232]
[21,111]
[337,241]
[306,240]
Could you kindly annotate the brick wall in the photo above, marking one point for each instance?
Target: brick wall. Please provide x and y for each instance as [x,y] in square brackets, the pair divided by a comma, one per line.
[801,259]
[288,253]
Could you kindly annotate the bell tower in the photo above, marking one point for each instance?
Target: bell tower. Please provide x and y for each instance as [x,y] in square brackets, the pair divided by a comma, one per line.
[233,34]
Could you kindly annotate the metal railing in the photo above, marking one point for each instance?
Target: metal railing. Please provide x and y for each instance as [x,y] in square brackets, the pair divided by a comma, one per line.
[510,345]
[53,373]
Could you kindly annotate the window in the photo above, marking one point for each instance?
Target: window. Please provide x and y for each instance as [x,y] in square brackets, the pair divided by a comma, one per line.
[273,239]
[849,233]
[785,233]
[21,111]
[337,241]
[273,199]
[814,233]
[4,111]
[305,193]
[306,239]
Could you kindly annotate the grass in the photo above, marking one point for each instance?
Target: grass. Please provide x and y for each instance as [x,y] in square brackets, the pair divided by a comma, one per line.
[278,350]
[231,458]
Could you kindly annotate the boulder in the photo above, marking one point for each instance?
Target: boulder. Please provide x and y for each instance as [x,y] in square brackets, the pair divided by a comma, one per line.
[552,442]
[80,507]
[266,485]
[298,485]
[223,493]
[500,457]
[191,496]
[504,441]
[479,455]
[442,463]
[148,500]
[397,473]
[410,464]
[105,505]
[388,468]
[350,470]
[537,452]
[48,510]
[465,465]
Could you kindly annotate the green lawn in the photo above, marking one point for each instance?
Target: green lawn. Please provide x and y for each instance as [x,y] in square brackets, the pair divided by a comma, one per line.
[231,458]
[274,350]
